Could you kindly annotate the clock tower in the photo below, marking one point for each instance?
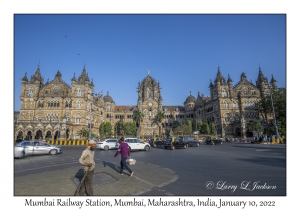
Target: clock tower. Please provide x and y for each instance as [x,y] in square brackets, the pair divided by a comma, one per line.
[149,103]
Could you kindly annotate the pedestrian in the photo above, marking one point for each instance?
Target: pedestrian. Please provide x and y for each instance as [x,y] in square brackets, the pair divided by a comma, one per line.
[125,153]
[87,160]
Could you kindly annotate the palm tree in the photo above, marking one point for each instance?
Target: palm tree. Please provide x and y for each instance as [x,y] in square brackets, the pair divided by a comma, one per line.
[138,118]
[159,117]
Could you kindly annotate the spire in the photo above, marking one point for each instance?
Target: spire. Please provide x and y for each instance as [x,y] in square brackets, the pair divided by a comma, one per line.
[211,84]
[74,78]
[83,77]
[219,77]
[229,79]
[37,75]
[273,82]
[261,78]
[47,81]
[92,83]
[243,76]
[25,77]
[58,75]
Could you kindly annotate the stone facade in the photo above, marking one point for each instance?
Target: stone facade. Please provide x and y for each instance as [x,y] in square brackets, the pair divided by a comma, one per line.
[55,109]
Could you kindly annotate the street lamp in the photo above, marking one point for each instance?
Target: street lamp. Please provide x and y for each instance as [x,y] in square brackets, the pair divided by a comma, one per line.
[275,123]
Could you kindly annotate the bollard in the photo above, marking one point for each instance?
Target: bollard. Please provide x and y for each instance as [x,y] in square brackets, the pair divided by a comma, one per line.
[74,142]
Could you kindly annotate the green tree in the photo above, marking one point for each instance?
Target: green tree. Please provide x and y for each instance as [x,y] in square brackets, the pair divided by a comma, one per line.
[138,118]
[212,128]
[158,119]
[105,129]
[204,128]
[264,107]
[83,133]
[175,124]
[199,124]
[254,125]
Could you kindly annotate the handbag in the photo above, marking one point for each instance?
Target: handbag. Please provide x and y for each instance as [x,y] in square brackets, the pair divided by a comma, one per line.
[130,161]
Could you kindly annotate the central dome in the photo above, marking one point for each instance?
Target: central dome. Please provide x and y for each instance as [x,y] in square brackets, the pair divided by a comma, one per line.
[149,81]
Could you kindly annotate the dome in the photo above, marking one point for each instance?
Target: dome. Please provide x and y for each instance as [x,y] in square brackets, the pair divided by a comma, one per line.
[149,81]
[107,98]
[190,99]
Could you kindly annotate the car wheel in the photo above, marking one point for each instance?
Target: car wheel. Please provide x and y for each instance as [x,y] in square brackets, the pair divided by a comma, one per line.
[172,147]
[53,152]
[22,154]
[106,148]
[213,143]
[185,146]
[147,148]
[166,148]
[154,145]
[198,144]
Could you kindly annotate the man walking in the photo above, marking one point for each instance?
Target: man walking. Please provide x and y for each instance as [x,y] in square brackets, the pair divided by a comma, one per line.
[87,160]
[125,153]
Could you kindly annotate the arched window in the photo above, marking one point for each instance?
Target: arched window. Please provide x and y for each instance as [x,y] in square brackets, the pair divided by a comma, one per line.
[224,93]
[68,117]
[226,105]
[236,117]
[77,118]
[227,118]
[78,104]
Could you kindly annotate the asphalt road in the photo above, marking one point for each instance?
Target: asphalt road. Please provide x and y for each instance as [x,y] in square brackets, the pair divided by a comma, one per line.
[208,170]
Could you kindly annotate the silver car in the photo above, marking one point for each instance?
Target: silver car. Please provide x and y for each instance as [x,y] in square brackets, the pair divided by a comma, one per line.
[35,147]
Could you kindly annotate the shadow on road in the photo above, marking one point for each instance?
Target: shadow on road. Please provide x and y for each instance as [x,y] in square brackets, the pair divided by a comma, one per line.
[79,175]
[112,166]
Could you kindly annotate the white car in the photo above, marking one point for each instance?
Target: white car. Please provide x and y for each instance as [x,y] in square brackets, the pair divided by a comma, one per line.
[107,144]
[136,144]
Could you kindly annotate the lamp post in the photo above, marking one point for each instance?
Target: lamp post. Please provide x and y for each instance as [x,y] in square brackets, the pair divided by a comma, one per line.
[275,123]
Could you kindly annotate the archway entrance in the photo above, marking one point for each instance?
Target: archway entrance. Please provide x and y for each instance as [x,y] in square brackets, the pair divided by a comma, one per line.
[48,135]
[20,135]
[39,134]
[56,136]
[238,132]
[29,135]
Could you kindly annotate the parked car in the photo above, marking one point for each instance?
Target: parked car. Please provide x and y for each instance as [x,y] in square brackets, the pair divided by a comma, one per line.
[107,144]
[19,140]
[173,143]
[190,140]
[213,141]
[135,144]
[35,147]
[156,142]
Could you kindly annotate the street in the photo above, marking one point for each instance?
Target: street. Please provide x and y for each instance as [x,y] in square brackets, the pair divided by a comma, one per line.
[208,170]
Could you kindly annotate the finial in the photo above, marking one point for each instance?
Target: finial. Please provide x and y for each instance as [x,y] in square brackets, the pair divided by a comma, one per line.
[148,72]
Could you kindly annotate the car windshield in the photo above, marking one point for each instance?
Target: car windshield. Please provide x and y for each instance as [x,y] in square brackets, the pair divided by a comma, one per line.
[168,139]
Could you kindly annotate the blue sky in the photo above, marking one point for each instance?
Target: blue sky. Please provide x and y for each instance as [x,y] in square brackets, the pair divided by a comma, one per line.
[182,52]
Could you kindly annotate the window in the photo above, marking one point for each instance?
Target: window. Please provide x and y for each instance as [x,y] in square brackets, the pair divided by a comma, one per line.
[235,105]
[224,93]
[225,105]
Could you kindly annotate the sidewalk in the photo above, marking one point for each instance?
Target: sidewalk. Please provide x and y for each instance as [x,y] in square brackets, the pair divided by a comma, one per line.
[106,180]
